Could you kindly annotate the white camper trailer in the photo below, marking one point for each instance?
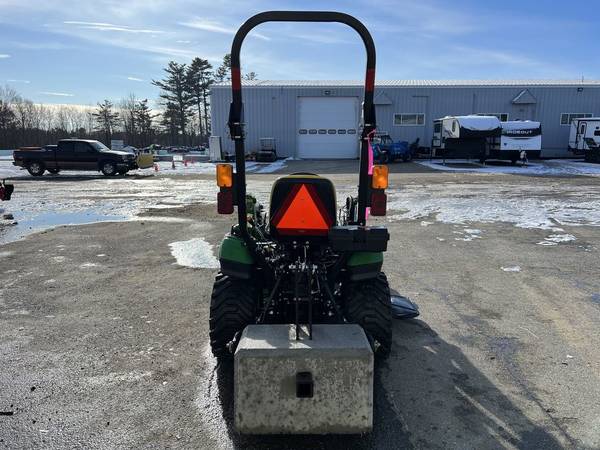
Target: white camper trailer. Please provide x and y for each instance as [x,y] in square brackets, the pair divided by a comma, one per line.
[584,138]
[517,136]
[464,136]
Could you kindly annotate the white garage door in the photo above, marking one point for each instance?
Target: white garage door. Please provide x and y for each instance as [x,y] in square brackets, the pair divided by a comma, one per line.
[327,127]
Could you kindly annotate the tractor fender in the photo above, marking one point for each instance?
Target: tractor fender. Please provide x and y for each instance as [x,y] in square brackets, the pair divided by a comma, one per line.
[364,265]
[235,258]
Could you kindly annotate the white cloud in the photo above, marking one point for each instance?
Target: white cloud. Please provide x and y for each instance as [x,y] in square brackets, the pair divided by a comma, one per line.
[19,81]
[102,26]
[57,94]
[217,27]
[135,79]
[4,55]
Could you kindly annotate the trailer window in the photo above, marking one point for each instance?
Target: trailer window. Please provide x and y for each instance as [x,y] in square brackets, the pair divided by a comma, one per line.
[437,127]
[596,132]
[567,118]
[411,119]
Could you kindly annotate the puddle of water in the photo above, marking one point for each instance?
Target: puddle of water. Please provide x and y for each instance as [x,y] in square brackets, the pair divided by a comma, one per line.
[27,224]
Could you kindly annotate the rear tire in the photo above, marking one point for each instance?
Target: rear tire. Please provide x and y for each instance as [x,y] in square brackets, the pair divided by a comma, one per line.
[233,306]
[36,169]
[368,303]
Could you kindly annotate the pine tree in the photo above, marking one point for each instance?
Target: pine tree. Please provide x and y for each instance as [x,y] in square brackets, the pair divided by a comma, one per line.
[199,79]
[143,119]
[175,94]
[106,119]
[251,76]
[224,71]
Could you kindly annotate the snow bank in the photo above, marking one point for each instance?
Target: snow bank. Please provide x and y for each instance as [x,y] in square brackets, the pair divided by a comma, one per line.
[195,253]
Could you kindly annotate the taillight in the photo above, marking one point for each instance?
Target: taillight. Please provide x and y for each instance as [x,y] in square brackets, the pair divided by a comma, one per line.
[225,201]
[378,203]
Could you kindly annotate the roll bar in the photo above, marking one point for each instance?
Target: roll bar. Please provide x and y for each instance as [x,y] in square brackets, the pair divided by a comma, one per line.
[235,112]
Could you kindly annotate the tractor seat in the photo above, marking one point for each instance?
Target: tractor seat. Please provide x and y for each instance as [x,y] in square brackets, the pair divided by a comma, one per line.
[302,205]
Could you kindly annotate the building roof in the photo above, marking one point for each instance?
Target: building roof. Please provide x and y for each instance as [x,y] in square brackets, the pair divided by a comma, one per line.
[417,83]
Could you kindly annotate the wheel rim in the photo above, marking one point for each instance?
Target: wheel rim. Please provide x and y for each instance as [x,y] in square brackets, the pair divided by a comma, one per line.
[35,167]
[108,168]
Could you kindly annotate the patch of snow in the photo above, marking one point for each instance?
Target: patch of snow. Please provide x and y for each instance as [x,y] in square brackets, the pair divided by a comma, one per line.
[272,167]
[88,265]
[512,269]
[556,167]
[468,234]
[426,223]
[541,206]
[440,239]
[58,259]
[5,254]
[195,253]
[555,239]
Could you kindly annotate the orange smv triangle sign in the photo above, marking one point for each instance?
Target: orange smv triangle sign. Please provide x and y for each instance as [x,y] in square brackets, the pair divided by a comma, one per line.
[302,216]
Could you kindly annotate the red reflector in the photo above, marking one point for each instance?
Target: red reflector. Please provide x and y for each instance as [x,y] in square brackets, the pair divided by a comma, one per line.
[378,203]
[302,213]
[225,202]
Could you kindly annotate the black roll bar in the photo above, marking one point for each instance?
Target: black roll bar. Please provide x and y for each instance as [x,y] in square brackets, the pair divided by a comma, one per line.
[235,111]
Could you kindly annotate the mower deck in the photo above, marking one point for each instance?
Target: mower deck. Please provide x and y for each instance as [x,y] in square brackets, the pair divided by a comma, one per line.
[289,386]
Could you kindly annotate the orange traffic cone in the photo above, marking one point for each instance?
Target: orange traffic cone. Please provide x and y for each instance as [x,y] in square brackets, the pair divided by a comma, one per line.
[155,167]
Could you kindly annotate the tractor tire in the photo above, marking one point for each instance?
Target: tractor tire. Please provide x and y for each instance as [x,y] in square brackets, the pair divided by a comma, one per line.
[368,303]
[407,157]
[233,306]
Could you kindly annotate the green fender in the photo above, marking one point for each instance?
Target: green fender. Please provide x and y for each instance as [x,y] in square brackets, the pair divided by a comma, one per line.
[235,258]
[364,265]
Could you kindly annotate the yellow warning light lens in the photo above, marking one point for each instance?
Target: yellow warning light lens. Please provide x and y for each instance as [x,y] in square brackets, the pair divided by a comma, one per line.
[380,177]
[224,175]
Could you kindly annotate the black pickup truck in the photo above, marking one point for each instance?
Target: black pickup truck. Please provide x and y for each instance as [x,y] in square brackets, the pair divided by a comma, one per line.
[74,154]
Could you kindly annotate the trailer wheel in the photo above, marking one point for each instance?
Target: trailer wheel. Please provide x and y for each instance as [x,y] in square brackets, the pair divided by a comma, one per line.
[232,307]
[368,303]
[36,168]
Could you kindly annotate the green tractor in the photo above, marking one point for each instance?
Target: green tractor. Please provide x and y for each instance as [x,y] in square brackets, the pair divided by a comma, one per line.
[300,260]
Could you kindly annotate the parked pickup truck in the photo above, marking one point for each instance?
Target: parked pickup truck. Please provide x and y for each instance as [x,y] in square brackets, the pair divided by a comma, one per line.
[74,154]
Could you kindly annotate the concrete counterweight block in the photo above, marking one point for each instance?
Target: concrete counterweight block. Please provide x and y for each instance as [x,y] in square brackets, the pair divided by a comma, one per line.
[318,386]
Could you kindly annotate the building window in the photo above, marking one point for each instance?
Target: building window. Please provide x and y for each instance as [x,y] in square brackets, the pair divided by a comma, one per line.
[351,131]
[303,131]
[312,131]
[567,118]
[322,131]
[330,131]
[503,117]
[402,119]
[342,131]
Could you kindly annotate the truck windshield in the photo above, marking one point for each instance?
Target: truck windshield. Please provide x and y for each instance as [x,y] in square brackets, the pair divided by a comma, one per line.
[99,146]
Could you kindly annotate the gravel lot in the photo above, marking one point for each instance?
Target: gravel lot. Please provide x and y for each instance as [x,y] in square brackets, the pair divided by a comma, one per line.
[104,337]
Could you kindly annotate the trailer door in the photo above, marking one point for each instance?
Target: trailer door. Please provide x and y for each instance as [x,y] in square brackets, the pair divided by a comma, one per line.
[581,136]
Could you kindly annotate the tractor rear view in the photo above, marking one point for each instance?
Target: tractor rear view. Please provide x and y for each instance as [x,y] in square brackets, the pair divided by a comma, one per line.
[303,266]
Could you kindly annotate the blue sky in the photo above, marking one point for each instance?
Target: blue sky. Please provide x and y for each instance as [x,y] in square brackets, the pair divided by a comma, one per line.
[82,51]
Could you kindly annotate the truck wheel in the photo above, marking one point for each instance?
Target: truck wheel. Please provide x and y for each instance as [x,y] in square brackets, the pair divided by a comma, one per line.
[384,158]
[108,169]
[36,168]
[407,157]
[232,307]
[368,303]
[54,171]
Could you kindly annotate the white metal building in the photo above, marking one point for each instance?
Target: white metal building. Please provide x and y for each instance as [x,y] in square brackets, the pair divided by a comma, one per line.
[320,119]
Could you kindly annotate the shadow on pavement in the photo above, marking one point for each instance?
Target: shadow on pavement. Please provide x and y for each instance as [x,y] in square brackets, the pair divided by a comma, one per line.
[427,395]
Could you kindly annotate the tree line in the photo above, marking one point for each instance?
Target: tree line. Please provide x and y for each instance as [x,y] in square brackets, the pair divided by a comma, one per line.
[183,116]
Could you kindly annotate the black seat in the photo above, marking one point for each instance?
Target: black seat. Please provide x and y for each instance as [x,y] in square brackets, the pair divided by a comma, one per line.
[283,193]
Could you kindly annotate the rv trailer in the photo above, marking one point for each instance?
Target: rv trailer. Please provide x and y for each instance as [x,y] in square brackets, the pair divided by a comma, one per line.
[584,138]
[464,136]
[517,136]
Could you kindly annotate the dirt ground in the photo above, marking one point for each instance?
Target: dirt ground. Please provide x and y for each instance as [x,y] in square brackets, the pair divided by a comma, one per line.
[104,338]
